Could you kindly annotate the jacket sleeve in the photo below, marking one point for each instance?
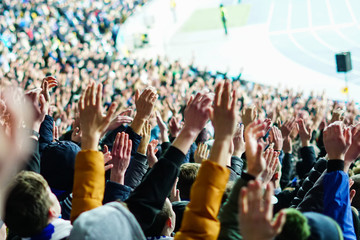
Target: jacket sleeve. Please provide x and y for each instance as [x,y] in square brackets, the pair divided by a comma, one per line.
[46,132]
[286,170]
[308,183]
[89,182]
[110,137]
[229,212]
[308,160]
[33,164]
[237,164]
[200,216]
[115,191]
[147,200]
[336,198]
[136,170]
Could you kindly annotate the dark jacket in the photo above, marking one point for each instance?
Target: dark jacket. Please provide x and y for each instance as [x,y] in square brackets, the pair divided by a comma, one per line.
[336,198]
[147,200]
[228,215]
[308,157]
[309,182]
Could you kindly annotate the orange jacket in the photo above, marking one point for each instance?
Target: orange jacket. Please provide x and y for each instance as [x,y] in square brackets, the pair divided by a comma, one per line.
[200,216]
[89,182]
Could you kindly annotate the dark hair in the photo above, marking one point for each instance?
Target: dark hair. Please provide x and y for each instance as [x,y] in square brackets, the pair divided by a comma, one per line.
[27,204]
[187,176]
[159,223]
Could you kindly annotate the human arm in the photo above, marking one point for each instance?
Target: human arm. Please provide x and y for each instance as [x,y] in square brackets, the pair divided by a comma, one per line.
[306,152]
[163,128]
[89,176]
[239,143]
[336,182]
[144,105]
[201,153]
[256,213]
[256,164]
[147,200]
[200,217]
[121,153]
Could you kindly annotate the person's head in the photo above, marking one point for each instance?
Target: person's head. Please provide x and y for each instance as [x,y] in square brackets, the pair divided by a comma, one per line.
[296,226]
[187,176]
[309,226]
[30,205]
[57,166]
[164,223]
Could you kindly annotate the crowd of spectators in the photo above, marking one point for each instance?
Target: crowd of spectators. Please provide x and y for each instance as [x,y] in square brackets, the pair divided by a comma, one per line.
[98,146]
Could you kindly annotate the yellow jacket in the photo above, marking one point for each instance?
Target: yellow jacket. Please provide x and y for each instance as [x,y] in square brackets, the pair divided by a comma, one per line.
[89,182]
[200,216]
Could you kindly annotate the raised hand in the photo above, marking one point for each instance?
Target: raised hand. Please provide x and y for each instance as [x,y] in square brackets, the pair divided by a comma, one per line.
[254,149]
[118,121]
[276,138]
[55,133]
[223,117]
[39,107]
[272,160]
[223,114]
[238,141]
[304,132]
[92,120]
[256,213]
[337,115]
[121,154]
[145,103]
[354,150]
[151,151]
[76,135]
[196,115]
[201,153]
[163,128]
[146,135]
[175,193]
[46,85]
[287,127]
[174,127]
[249,114]
[107,158]
[15,144]
[337,140]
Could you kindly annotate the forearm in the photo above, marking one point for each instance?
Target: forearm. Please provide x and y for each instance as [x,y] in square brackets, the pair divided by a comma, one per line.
[184,140]
[336,197]
[228,214]
[115,191]
[137,124]
[33,164]
[136,170]
[220,151]
[90,141]
[89,182]
[200,217]
[147,200]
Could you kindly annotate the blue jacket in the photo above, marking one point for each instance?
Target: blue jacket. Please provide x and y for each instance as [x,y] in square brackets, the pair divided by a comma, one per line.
[336,198]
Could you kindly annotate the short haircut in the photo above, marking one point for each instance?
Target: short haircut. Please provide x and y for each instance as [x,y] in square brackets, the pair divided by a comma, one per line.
[160,220]
[27,204]
[187,176]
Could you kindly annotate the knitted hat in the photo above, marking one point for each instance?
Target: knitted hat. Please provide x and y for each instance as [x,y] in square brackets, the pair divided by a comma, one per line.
[110,221]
